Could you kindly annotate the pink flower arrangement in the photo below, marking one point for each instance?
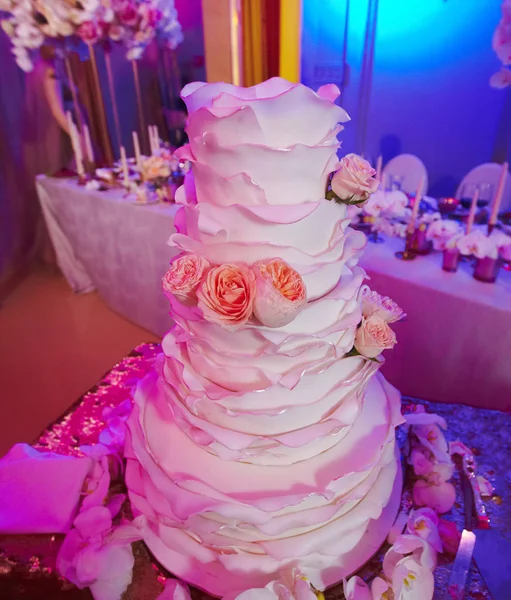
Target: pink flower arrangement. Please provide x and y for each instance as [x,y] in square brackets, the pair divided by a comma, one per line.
[155,168]
[226,294]
[381,306]
[90,32]
[280,292]
[441,231]
[373,336]
[231,294]
[431,462]
[354,180]
[477,244]
[184,276]
[127,13]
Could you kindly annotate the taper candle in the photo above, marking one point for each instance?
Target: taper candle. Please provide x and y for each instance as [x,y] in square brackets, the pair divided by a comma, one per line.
[124,164]
[78,152]
[472,212]
[136,147]
[498,195]
[156,138]
[88,144]
[151,139]
[71,128]
[416,205]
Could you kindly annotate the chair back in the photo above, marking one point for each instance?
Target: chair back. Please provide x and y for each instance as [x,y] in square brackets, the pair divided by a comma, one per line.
[488,173]
[410,169]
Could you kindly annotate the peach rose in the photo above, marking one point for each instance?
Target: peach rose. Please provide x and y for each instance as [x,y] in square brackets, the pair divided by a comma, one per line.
[184,276]
[374,336]
[438,497]
[280,292]
[226,295]
[354,180]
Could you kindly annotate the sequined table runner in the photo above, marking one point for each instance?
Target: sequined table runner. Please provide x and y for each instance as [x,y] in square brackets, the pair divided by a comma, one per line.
[27,563]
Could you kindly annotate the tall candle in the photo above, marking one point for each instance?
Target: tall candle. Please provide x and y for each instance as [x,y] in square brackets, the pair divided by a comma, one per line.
[156,138]
[78,151]
[498,195]
[378,167]
[71,127]
[88,144]
[124,164]
[416,205]
[136,146]
[151,138]
[472,212]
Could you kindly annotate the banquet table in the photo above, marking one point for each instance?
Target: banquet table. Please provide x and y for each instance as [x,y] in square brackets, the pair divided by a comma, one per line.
[106,241]
[28,562]
[454,346]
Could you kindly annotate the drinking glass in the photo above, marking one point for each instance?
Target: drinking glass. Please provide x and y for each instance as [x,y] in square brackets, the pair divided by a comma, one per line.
[468,191]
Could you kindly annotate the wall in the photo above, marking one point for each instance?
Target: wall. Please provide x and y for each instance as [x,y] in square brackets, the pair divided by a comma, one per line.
[430,93]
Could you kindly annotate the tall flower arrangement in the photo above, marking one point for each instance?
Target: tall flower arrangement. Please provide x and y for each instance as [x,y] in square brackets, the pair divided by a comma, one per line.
[502,47]
[135,23]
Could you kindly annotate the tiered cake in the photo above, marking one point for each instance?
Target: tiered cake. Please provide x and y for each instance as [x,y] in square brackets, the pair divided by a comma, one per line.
[263,440]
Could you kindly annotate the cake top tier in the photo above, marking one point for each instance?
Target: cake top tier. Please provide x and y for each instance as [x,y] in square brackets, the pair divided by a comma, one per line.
[271,144]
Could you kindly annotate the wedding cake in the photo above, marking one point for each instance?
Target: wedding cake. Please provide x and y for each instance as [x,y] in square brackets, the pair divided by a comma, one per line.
[265,438]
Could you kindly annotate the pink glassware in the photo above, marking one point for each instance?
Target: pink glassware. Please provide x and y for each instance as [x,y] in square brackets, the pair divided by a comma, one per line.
[486,269]
[419,243]
[451,260]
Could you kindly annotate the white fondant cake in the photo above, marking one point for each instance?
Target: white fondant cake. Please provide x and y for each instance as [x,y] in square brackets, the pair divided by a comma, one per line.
[254,447]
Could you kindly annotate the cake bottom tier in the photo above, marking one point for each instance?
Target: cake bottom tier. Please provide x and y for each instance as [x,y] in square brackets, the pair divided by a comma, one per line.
[226,526]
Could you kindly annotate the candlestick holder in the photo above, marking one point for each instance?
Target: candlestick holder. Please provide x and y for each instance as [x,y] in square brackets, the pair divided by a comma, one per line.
[375,238]
[407,253]
[83,178]
[451,260]
[486,269]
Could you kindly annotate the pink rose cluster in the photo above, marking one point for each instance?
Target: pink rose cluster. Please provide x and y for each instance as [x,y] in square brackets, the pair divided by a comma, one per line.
[230,294]
[354,181]
[431,461]
[374,334]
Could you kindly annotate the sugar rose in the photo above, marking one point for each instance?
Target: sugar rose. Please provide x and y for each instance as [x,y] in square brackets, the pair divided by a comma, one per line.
[354,180]
[226,295]
[373,337]
[382,306]
[184,276]
[280,292]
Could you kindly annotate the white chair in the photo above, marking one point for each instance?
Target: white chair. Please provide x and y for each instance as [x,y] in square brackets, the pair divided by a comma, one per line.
[488,173]
[410,168]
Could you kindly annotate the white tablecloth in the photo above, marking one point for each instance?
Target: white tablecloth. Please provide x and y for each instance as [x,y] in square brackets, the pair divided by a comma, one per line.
[105,241]
[455,345]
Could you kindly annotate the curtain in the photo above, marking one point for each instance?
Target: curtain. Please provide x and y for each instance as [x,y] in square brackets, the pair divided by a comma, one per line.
[93,104]
[19,212]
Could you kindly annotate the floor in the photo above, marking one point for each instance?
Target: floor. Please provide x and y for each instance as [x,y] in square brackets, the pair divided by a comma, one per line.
[54,345]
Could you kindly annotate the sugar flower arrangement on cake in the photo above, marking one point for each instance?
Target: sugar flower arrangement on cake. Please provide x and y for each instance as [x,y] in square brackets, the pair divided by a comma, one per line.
[232,294]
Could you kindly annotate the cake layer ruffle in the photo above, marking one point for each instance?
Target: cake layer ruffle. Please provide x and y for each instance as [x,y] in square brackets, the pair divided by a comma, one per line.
[320,263]
[252,357]
[328,403]
[214,517]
